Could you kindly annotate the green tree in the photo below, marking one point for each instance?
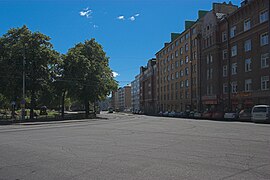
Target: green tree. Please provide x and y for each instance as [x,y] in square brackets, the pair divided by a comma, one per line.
[18,46]
[87,72]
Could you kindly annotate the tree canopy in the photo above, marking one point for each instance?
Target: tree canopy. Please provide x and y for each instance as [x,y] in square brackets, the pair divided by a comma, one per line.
[82,74]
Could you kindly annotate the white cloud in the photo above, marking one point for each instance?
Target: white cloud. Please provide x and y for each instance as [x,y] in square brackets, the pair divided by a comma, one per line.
[115,74]
[121,17]
[86,13]
[132,18]
[95,26]
[136,15]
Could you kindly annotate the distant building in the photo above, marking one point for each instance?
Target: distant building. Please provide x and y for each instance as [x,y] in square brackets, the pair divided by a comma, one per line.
[121,99]
[148,87]
[135,94]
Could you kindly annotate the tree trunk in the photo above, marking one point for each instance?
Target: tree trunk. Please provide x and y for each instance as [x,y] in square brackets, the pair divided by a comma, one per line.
[63,104]
[86,104]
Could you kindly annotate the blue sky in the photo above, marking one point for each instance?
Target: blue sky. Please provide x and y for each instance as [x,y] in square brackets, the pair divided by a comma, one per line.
[130,31]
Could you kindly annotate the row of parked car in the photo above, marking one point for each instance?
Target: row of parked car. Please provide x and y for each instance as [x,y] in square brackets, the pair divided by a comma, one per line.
[259,113]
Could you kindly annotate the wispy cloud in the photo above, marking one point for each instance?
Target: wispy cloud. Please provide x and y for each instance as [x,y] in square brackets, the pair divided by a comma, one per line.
[132,18]
[121,17]
[86,13]
[95,26]
[115,74]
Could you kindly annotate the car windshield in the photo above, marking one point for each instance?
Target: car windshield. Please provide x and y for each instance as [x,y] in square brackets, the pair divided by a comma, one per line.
[260,109]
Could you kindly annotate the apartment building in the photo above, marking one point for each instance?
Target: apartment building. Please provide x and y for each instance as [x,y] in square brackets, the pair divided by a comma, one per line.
[173,77]
[135,94]
[148,87]
[121,99]
[244,56]
[210,55]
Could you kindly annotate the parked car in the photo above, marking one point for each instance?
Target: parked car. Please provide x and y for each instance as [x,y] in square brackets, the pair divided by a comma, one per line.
[197,115]
[231,115]
[110,110]
[179,114]
[141,112]
[207,114]
[245,115]
[171,114]
[217,115]
[166,114]
[260,113]
[191,114]
[160,113]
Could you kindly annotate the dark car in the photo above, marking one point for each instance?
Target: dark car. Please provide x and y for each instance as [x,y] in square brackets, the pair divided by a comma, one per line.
[207,115]
[218,115]
[245,115]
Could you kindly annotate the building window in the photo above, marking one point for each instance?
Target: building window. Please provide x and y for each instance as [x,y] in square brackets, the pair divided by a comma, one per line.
[182,39]
[234,50]
[233,31]
[195,55]
[172,66]
[181,73]
[186,71]
[264,39]
[187,59]
[181,50]
[224,36]
[186,47]
[208,74]
[186,83]
[263,16]
[177,75]
[181,62]
[187,35]
[194,31]
[172,56]
[172,76]
[225,88]
[177,43]
[225,54]
[176,85]
[247,25]
[176,53]
[265,82]
[225,71]
[248,83]
[181,84]
[265,60]
[234,87]
[176,64]
[248,45]
[247,65]
[211,73]
[234,68]
[209,58]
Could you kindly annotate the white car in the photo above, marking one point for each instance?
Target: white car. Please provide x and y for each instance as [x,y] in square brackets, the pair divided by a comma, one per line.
[260,113]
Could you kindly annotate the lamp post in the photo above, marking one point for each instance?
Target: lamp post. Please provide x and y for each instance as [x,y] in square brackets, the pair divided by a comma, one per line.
[23,85]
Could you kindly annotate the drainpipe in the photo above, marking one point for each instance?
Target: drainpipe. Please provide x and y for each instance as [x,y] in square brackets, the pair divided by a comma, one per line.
[199,55]
[229,64]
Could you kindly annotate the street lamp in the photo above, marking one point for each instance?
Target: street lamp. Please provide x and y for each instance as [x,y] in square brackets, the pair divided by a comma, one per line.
[23,100]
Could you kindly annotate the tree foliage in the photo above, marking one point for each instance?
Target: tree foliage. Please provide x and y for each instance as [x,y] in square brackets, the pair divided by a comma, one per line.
[18,46]
[86,70]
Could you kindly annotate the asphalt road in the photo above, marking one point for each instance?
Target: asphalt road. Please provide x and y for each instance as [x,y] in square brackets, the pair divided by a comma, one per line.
[122,146]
